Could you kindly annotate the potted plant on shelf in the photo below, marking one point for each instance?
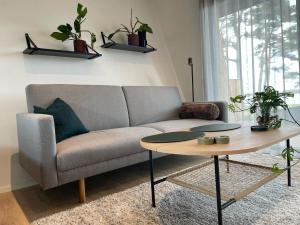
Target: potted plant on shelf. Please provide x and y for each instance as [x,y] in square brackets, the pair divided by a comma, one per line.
[265,104]
[142,31]
[136,36]
[66,33]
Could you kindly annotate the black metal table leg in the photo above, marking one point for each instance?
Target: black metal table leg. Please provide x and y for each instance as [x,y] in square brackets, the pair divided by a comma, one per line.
[152,178]
[218,189]
[288,145]
[227,163]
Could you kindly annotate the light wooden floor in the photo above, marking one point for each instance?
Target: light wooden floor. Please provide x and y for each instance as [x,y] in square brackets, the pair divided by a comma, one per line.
[36,203]
[10,211]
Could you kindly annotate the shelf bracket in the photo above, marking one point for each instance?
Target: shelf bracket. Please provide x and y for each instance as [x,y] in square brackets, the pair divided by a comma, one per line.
[30,42]
[151,46]
[105,37]
[96,53]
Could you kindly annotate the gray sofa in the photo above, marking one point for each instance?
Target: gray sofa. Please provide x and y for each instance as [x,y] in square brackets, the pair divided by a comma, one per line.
[118,117]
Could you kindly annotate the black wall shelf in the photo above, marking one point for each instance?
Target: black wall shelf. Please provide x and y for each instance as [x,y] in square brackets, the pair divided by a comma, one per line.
[125,47]
[32,49]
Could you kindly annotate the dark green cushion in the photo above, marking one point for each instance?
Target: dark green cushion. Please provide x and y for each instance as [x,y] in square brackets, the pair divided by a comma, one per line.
[67,124]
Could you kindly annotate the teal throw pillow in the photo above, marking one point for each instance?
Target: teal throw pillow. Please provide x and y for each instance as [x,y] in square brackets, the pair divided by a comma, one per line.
[67,123]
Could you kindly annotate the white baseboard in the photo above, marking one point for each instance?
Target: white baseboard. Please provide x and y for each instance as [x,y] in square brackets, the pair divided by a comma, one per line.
[4,189]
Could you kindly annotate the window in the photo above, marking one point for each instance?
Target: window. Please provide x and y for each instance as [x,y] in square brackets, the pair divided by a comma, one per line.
[256,43]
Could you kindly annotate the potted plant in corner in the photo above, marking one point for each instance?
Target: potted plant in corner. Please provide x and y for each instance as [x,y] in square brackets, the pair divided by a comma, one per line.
[66,33]
[136,36]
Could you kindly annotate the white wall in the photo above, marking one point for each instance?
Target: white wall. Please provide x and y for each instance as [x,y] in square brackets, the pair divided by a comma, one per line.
[180,21]
[176,38]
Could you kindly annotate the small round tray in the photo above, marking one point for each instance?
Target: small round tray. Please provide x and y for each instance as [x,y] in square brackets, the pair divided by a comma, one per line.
[216,127]
[173,137]
[259,128]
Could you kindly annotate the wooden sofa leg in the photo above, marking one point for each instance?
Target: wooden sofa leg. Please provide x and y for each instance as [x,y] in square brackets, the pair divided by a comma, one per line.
[81,184]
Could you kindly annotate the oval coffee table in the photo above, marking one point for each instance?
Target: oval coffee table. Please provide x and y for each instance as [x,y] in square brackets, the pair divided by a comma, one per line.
[242,140]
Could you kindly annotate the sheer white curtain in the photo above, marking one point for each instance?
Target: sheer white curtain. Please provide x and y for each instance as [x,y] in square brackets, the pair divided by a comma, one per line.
[248,44]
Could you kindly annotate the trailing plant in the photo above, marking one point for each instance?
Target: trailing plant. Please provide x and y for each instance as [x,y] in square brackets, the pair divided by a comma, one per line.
[287,153]
[276,169]
[133,28]
[66,31]
[263,102]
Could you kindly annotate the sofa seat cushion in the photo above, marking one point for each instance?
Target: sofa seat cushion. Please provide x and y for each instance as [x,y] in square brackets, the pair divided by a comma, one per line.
[99,146]
[176,125]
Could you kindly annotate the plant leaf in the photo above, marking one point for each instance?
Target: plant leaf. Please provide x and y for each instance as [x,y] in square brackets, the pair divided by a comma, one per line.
[276,169]
[63,29]
[93,38]
[231,107]
[66,29]
[79,8]
[69,27]
[77,26]
[288,153]
[110,36]
[81,11]
[60,36]
[253,109]
[145,28]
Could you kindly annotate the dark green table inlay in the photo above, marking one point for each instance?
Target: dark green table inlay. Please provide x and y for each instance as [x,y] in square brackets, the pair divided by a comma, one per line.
[173,137]
[216,127]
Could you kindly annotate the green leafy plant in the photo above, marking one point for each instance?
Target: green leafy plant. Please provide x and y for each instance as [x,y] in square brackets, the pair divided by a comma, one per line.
[66,31]
[263,102]
[144,27]
[133,28]
[276,169]
[287,153]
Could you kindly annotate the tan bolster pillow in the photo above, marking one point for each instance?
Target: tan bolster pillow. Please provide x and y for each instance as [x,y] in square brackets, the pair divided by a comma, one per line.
[205,111]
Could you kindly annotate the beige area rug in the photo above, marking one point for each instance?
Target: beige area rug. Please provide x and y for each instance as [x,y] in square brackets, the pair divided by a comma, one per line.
[272,204]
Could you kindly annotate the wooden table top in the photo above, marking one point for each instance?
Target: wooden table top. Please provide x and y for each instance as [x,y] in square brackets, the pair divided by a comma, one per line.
[242,140]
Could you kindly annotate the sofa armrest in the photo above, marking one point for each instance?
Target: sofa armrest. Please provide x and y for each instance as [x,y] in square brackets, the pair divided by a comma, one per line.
[37,147]
[223,107]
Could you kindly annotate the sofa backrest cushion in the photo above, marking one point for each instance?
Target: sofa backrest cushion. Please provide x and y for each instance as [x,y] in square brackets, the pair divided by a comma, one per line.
[97,106]
[148,104]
